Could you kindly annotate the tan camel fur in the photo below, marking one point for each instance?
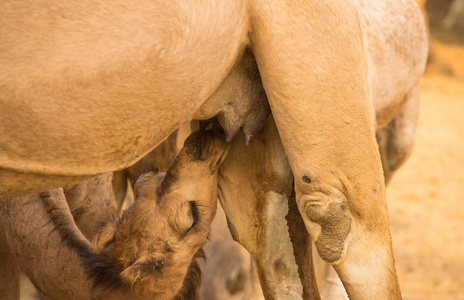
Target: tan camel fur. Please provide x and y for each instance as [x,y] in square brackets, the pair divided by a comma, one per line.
[431,56]
[43,221]
[147,253]
[395,101]
[95,65]
[157,160]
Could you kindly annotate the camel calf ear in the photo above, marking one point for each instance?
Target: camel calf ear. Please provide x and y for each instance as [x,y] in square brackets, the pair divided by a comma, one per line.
[104,237]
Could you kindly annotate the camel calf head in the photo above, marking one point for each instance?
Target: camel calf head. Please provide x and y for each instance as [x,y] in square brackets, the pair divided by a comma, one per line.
[153,246]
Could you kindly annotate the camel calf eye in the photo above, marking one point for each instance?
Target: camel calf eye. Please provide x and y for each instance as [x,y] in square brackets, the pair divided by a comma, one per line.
[194,213]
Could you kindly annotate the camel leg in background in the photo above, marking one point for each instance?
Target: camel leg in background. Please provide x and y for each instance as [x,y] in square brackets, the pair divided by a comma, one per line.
[228,271]
[455,17]
[9,270]
[396,140]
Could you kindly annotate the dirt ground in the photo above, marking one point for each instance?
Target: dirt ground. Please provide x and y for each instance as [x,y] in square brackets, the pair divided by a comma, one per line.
[426,196]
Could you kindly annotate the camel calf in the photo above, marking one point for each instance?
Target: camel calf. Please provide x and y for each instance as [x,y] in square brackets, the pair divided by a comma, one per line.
[149,253]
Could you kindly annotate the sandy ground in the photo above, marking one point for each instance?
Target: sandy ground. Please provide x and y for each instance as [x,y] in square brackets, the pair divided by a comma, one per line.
[426,197]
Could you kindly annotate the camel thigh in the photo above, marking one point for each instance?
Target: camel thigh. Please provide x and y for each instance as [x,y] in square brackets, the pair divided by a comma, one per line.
[9,270]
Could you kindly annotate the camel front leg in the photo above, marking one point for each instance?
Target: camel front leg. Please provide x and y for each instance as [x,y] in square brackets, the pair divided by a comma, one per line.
[311,60]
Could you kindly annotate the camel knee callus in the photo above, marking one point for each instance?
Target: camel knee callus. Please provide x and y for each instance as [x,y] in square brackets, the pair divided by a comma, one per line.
[327,215]
[334,228]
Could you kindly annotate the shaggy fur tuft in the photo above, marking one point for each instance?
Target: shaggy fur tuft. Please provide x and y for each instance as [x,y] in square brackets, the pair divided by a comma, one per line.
[103,270]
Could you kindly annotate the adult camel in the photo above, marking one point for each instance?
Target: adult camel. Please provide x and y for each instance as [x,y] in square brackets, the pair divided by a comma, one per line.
[74,70]
[261,173]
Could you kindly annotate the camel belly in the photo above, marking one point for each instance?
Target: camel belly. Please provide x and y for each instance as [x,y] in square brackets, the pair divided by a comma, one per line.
[86,89]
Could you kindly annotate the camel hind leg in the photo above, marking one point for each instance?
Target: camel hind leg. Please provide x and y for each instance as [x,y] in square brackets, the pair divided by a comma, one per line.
[396,140]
